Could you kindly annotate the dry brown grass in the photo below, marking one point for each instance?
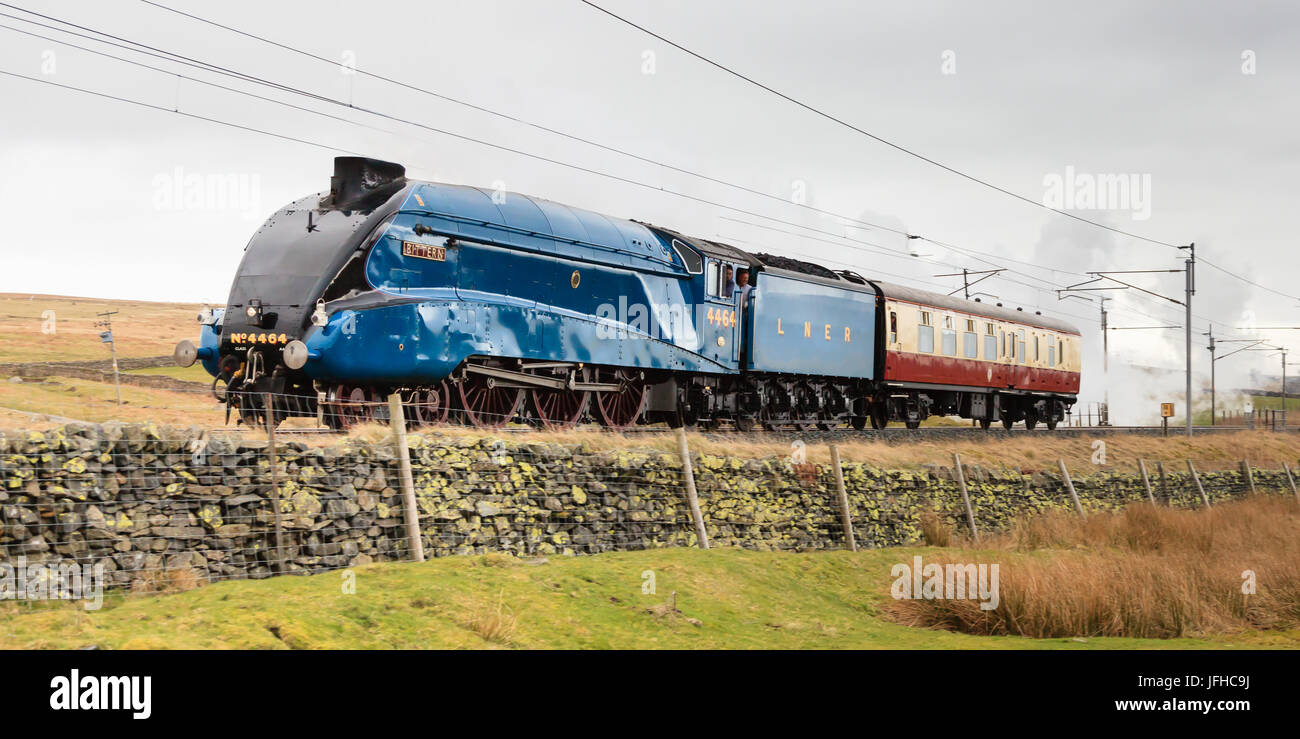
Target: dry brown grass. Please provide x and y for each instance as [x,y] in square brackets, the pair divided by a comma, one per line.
[935,530]
[167,581]
[141,328]
[1143,572]
[1029,453]
[495,624]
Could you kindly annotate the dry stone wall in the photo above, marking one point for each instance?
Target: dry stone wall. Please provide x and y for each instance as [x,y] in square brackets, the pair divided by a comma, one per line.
[140,499]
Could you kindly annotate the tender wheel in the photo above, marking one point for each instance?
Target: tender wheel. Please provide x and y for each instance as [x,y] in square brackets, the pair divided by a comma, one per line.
[745,423]
[1007,423]
[772,420]
[985,423]
[858,422]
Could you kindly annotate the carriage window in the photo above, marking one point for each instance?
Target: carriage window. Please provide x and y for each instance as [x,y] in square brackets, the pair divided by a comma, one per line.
[1036,351]
[950,342]
[1020,345]
[925,334]
[970,345]
[990,345]
[893,327]
[1051,351]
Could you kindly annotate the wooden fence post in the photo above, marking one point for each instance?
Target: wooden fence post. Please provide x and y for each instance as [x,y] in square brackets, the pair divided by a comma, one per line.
[269,406]
[965,496]
[845,519]
[1164,483]
[1069,485]
[1250,476]
[1146,480]
[1291,480]
[1197,478]
[397,417]
[688,476]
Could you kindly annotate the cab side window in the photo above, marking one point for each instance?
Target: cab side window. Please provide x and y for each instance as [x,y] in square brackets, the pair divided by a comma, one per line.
[713,278]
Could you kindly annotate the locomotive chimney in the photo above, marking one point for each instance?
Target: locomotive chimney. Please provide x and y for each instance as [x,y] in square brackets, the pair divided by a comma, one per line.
[359,180]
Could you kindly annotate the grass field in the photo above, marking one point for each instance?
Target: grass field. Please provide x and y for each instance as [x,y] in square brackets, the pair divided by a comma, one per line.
[193,373]
[724,598]
[87,400]
[52,328]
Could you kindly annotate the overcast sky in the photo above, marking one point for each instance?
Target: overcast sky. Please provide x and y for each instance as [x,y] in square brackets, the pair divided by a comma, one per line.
[1198,101]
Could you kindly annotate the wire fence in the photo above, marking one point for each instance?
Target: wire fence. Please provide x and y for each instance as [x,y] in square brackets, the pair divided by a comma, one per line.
[147,505]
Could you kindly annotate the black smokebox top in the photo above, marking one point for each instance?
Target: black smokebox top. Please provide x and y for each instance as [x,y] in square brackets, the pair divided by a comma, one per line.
[361,181]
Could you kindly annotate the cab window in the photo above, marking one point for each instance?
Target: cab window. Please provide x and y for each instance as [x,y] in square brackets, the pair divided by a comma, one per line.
[712,276]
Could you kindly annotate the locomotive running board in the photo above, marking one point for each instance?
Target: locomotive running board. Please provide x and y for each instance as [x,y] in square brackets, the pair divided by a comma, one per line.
[522,379]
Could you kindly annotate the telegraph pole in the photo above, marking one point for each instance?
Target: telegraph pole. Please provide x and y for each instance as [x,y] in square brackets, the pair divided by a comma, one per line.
[1191,290]
[1251,345]
[106,337]
[1105,362]
[1210,333]
[966,282]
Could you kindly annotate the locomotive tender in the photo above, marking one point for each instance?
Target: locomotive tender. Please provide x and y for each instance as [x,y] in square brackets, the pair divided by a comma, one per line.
[497,307]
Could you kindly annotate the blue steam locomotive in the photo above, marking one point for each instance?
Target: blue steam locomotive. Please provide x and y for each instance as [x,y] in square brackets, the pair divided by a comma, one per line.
[490,307]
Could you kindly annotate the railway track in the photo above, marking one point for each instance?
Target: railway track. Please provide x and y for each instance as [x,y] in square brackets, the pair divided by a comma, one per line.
[891,434]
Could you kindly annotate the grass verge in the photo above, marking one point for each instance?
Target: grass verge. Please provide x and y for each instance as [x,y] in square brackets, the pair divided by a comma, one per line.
[1146,572]
[722,598]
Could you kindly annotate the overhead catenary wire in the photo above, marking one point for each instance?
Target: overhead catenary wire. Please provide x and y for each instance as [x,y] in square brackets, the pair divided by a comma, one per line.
[852,127]
[911,152]
[582,139]
[172,57]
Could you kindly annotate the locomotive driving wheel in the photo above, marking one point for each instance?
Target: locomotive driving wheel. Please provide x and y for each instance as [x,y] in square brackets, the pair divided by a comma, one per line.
[354,406]
[431,405]
[622,409]
[560,409]
[486,404]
